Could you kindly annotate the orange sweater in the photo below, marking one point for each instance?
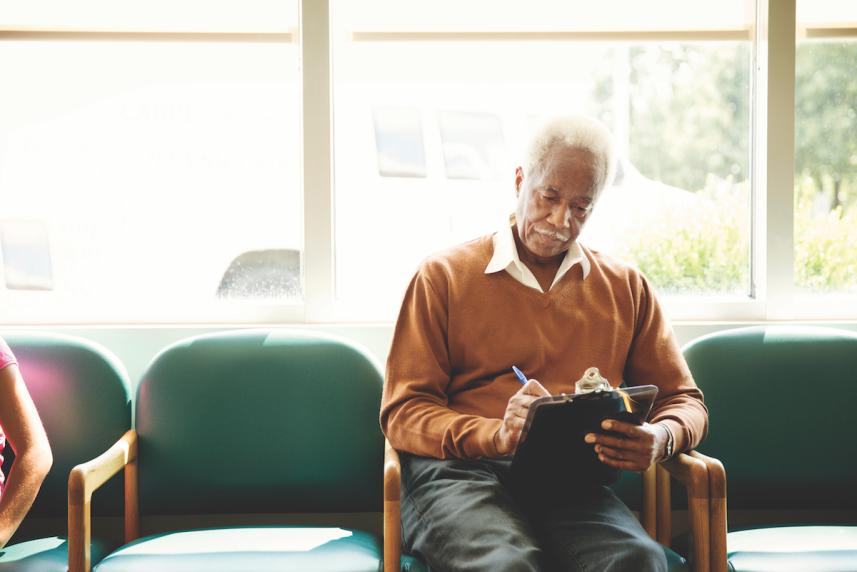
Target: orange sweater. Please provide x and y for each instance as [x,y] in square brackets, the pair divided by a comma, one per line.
[459,331]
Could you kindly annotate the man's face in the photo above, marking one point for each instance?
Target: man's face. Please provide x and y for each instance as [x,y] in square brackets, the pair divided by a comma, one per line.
[555,201]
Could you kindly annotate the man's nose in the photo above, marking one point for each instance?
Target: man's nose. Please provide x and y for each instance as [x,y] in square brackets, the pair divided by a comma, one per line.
[560,217]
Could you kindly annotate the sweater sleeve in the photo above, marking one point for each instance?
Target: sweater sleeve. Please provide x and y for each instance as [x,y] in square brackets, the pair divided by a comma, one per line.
[655,358]
[415,415]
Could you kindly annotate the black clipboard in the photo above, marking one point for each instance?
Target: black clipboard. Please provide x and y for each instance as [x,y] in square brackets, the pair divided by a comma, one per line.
[552,455]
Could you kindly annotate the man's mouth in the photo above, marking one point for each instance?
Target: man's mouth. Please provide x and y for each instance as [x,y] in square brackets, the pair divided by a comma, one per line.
[549,234]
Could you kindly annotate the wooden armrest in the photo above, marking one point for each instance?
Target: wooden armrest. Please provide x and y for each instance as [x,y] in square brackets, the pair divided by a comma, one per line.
[717,510]
[692,473]
[392,509]
[85,479]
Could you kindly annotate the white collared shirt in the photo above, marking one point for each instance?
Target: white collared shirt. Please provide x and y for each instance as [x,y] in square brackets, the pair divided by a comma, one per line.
[506,258]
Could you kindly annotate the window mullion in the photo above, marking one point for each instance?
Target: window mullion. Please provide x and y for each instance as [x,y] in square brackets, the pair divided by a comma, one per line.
[317,157]
[777,76]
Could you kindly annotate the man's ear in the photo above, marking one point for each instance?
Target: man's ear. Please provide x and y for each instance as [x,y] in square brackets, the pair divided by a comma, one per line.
[519,178]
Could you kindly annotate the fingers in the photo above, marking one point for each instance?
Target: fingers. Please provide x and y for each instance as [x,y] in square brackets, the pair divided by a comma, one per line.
[630,447]
[624,464]
[629,459]
[516,414]
[628,429]
[510,430]
[534,388]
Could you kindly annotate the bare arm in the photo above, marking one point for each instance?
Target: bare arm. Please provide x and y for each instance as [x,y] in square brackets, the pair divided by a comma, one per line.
[33,459]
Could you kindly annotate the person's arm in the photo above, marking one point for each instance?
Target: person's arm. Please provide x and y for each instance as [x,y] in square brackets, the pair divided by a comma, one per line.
[33,459]
[415,416]
[655,358]
[679,416]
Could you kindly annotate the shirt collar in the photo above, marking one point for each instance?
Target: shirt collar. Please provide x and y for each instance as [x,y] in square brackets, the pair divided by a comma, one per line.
[506,258]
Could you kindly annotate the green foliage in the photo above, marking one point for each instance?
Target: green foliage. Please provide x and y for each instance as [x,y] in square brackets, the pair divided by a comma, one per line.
[826,166]
[703,249]
[826,118]
[689,107]
[825,253]
[690,112]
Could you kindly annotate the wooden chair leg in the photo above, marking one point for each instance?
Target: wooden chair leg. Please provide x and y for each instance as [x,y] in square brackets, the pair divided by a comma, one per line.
[718,526]
[693,474]
[392,509]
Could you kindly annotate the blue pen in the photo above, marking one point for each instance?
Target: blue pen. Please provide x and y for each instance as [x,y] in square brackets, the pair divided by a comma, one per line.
[520,374]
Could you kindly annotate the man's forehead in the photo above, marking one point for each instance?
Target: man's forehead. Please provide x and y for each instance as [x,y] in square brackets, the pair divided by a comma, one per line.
[569,172]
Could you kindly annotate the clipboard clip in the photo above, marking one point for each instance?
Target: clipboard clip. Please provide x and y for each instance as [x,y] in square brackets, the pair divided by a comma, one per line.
[592,381]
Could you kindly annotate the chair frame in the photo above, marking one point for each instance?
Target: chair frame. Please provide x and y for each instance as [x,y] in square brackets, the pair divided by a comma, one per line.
[84,480]
[703,477]
[689,469]
[712,504]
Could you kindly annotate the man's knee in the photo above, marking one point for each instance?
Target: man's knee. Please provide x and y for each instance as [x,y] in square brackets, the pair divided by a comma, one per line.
[506,558]
[644,555]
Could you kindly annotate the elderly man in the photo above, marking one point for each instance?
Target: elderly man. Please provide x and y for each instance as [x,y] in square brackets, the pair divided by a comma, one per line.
[530,295]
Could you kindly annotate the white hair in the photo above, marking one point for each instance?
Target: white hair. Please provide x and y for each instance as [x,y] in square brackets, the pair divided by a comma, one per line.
[574,132]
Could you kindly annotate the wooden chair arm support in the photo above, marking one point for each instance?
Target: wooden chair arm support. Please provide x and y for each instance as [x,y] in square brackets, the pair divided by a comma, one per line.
[649,514]
[392,509]
[692,473]
[392,473]
[85,479]
[717,510]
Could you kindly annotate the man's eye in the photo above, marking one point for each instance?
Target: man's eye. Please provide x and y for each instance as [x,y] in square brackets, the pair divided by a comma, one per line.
[550,198]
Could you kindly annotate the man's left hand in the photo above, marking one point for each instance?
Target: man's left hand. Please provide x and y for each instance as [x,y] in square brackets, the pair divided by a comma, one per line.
[629,447]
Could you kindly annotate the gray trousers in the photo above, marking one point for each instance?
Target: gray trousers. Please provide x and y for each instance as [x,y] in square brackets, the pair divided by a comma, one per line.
[461,515]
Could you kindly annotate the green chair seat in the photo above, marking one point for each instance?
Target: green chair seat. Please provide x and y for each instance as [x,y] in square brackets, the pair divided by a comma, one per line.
[42,555]
[412,564]
[249,549]
[794,548]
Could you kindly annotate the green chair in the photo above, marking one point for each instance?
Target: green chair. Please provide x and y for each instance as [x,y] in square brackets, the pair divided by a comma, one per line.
[782,401]
[82,394]
[248,423]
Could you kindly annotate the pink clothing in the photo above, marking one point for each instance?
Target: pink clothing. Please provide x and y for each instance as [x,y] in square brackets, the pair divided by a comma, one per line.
[6,358]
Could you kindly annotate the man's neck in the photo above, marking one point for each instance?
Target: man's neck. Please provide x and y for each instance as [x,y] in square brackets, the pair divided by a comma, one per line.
[543,268]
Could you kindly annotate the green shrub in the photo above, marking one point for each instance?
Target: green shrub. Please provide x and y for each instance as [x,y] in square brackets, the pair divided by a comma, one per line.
[825,246]
[701,249]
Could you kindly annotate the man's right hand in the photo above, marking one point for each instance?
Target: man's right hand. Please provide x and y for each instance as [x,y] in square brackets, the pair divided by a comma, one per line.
[506,438]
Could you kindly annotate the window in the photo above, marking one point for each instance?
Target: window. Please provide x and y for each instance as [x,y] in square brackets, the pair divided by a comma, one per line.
[399,142]
[473,145]
[26,255]
[151,160]
[163,162]
[676,94]
[682,210]
[825,197]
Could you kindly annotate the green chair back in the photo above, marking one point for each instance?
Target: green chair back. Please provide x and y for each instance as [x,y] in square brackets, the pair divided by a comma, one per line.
[82,394]
[782,402]
[260,422]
